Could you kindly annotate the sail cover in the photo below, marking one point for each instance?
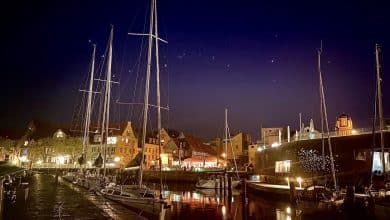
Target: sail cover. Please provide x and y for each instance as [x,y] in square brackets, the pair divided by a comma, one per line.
[135,163]
[98,161]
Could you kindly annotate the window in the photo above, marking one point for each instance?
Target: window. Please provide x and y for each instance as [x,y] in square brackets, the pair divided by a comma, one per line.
[282,166]
[111,140]
[361,155]
[377,161]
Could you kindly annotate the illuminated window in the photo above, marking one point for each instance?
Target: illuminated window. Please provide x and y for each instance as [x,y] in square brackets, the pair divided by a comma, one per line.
[282,166]
[111,140]
[377,161]
[360,156]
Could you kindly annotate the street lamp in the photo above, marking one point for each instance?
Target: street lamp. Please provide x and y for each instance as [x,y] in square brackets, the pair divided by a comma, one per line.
[61,159]
[23,159]
[299,180]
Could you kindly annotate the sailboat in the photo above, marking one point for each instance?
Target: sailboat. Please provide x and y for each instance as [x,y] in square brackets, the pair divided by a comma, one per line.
[82,159]
[378,108]
[92,182]
[324,117]
[139,196]
[215,183]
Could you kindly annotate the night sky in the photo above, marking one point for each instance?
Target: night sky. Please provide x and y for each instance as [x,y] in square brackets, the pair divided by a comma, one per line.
[258,58]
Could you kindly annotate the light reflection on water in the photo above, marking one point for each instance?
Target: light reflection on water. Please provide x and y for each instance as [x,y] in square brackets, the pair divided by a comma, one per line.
[186,203]
[190,203]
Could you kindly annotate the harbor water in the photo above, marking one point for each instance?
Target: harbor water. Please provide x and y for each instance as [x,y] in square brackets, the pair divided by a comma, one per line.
[47,199]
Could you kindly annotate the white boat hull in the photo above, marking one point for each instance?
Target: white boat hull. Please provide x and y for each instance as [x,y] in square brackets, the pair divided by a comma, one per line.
[145,204]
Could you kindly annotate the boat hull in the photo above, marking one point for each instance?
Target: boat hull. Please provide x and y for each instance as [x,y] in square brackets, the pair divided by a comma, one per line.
[149,205]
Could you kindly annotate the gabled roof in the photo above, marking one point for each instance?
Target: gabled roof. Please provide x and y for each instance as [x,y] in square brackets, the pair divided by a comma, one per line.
[197,145]
[172,133]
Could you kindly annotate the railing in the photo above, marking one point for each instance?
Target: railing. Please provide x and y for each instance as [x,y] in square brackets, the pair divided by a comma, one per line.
[332,134]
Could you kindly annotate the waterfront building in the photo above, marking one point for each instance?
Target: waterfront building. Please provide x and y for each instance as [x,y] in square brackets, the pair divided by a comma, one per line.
[343,125]
[94,149]
[237,148]
[252,148]
[151,153]
[306,159]
[271,136]
[58,149]
[195,153]
[217,145]
[306,133]
[7,149]
[127,145]
[167,135]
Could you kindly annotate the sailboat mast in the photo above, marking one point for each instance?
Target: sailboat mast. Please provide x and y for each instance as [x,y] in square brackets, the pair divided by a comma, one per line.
[106,116]
[226,135]
[380,106]
[373,133]
[158,93]
[326,123]
[321,109]
[146,97]
[89,101]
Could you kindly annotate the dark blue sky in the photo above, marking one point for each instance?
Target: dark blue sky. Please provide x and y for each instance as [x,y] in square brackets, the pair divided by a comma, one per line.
[258,58]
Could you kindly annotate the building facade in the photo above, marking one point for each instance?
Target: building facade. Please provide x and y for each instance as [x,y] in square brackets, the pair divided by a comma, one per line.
[271,136]
[127,145]
[343,125]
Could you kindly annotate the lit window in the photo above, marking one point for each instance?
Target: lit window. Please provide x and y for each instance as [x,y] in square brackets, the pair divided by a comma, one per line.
[111,140]
[377,161]
[282,166]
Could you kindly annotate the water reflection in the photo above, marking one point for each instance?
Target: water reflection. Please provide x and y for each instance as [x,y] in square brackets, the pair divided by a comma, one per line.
[49,201]
[288,213]
[190,203]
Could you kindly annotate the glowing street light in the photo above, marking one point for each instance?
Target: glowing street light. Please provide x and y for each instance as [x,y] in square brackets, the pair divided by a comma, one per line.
[117,159]
[23,159]
[223,155]
[61,159]
[299,180]
[224,211]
